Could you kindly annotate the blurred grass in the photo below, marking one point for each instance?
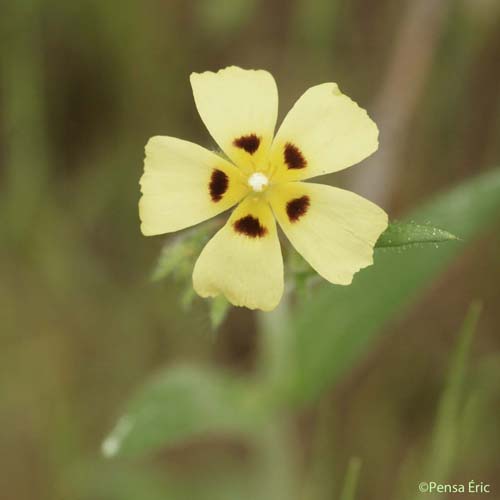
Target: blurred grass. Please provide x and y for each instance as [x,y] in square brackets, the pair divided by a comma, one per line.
[351,479]
[446,435]
[440,460]
[83,85]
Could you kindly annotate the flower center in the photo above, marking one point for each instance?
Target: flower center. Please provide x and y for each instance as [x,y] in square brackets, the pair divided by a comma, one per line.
[258,181]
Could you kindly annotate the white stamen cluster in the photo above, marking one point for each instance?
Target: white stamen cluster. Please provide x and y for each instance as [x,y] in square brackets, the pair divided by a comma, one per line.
[258,181]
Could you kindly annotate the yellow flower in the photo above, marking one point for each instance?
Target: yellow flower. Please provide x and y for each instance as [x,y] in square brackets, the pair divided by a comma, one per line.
[183,184]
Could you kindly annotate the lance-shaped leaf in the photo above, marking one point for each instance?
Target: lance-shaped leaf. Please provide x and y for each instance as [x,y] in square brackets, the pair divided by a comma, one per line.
[185,402]
[404,234]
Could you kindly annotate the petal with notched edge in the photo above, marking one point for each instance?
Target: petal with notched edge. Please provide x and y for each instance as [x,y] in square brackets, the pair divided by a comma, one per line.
[324,132]
[239,108]
[243,260]
[333,229]
[184,184]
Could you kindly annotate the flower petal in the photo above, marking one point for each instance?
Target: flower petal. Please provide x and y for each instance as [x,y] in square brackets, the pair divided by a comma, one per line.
[184,184]
[239,108]
[324,132]
[243,260]
[333,229]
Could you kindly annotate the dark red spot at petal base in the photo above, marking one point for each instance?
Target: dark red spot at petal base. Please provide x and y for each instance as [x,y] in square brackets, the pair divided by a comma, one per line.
[250,143]
[297,208]
[250,226]
[294,159]
[219,183]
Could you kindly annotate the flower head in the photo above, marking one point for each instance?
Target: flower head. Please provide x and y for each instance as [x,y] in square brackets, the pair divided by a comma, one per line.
[183,184]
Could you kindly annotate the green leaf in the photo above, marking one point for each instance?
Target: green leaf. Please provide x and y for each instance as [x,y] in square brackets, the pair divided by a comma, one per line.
[401,234]
[184,402]
[331,332]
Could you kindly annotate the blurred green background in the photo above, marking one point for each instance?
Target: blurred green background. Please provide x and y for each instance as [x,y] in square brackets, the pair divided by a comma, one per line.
[83,86]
